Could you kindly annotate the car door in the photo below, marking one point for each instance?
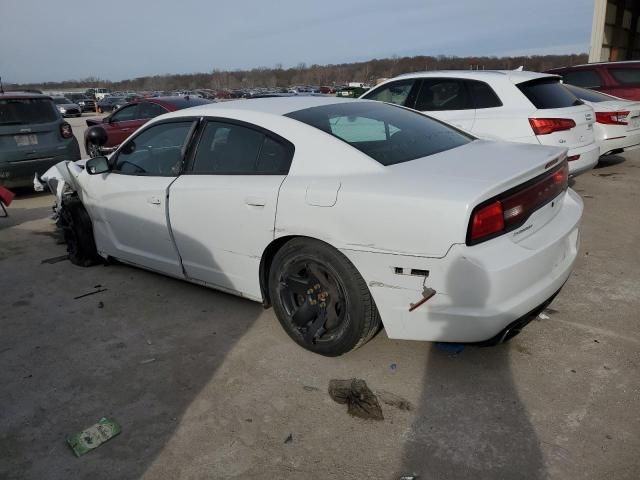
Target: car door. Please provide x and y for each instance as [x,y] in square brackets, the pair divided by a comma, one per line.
[493,121]
[121,124]
[128,205]
[446,99]
[222,210]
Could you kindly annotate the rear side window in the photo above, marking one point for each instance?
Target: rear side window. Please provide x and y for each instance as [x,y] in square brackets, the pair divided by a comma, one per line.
[386,133]
[443,94]
[627,76]
[582,78]
[483,95]
[231,149]
[394,92]
[19,111]
[548,93]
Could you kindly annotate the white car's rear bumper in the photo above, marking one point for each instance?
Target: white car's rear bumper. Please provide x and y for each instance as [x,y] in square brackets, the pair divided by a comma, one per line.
[626,142]
[588,158]
[481,289]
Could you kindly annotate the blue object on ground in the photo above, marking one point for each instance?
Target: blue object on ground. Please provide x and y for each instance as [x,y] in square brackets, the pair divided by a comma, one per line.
[452,348]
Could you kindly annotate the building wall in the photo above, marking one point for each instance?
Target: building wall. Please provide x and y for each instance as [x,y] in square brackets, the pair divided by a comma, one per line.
[615,32]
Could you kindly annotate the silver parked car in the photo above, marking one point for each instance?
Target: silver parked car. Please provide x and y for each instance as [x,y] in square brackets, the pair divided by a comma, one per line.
[66,107]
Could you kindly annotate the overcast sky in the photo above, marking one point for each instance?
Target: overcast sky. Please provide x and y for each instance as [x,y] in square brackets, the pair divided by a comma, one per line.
[115,39]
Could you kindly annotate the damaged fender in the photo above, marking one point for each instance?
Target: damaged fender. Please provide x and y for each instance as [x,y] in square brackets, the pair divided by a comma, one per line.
[59,177]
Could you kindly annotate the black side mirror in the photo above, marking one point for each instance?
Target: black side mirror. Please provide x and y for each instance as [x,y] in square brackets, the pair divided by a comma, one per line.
[97,165]
[128,148]
[106,119]
[97,135]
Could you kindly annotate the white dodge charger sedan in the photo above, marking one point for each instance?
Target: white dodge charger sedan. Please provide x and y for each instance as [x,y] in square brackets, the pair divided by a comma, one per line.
[341,214]
[512,105]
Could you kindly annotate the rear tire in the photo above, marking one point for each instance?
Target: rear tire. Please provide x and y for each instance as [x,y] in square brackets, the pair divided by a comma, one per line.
[78,233]
[320,298]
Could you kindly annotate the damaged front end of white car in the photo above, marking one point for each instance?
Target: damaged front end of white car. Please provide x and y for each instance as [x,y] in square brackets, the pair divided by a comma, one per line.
[69,212]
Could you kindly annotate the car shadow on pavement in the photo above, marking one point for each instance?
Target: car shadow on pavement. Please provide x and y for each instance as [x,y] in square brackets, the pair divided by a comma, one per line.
[138,348]
[470,422]
[610,161]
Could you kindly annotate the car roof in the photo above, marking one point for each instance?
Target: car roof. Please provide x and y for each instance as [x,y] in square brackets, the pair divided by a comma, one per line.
[270,105]
[516,76]
[10,95]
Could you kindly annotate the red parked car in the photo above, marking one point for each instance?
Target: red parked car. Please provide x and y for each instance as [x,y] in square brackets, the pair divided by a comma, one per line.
[126,120]
[620,79]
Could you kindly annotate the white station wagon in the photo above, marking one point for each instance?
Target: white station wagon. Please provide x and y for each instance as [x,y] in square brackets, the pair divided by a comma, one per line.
[341,214]
[512,105]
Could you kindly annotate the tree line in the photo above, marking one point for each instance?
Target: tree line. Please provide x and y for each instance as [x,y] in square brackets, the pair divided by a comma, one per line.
[302,74]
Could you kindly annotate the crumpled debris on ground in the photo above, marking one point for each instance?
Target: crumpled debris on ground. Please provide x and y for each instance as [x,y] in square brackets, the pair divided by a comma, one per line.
[360,400]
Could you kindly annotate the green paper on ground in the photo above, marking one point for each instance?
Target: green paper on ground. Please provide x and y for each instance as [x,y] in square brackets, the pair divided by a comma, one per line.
[94,436]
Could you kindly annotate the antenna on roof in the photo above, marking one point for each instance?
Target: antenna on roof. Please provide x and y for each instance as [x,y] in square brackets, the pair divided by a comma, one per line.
[1,87]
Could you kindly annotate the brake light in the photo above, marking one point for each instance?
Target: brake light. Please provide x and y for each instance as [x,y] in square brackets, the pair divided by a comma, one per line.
[612,118]
[573,158]
[65,130]
[545,126]
[511,209]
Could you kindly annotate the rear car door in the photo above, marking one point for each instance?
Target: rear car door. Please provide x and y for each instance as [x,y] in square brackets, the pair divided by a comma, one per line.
[223,209]
[447,99]
[128,205]
[122,123]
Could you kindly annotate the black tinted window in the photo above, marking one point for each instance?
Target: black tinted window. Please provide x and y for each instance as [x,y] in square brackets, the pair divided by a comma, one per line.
[443,94]
[588,95]
[157,151]
[150,110]
[386,133]
[483,95]
[548,93]
[27,111]
[227,148]
[395,92]
[275,157]
[626,75]
[582,78]
[126,113]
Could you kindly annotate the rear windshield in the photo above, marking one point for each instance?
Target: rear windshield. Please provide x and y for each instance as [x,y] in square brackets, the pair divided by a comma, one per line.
[548,93]
[387,133]
[588,95]
[18,111]
[627,76]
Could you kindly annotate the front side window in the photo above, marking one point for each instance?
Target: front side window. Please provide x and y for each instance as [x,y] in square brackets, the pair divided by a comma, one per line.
[627,76]
[386,133]
[157,151]
[125,114]
[394,92]
[582,78]
[443,94]
[232,149]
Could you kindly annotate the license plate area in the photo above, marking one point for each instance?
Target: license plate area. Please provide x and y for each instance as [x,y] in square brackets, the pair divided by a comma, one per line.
[26,140]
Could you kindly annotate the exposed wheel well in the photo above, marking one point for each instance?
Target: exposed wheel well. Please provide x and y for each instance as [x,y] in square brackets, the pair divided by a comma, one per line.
[265,265]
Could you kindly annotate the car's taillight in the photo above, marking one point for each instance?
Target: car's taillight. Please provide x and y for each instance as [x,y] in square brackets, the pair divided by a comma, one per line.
[545,126]
[511,209]
[65,130]
[612,118]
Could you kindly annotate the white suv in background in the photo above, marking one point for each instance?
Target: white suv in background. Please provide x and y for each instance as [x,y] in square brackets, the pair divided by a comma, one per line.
[512,105]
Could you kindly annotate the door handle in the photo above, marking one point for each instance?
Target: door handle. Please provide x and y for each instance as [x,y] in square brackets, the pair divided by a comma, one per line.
[153,201]
[255,201]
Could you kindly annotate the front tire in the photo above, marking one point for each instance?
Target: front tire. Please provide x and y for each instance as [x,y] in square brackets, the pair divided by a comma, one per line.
[320,299]
[78,233]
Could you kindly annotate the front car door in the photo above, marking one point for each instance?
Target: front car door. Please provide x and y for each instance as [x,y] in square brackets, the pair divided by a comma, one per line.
[400,92]
[223,208]
[447,99]
[128,205]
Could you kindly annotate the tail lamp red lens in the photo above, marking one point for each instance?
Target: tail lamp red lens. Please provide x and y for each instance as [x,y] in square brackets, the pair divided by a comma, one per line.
[511,209]
[612,118]
[545,126]
[65,130]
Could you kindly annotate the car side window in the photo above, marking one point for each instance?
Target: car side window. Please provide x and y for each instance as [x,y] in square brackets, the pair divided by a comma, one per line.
[129,112]
[483,95]
[582,78]
[232,149]
[443,94]
[157,151]
[150,110]
[394,92]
